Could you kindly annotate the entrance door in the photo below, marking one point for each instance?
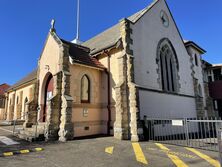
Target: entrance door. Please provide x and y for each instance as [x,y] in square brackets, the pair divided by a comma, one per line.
[48,94]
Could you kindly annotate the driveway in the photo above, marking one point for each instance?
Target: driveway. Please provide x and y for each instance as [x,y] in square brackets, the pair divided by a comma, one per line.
[103,152]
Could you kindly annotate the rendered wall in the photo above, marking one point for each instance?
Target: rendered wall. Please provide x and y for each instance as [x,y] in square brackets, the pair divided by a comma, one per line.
[19,105]
[146,34]
[198,72]
[95,122]
[114,78]
[48,64]
[158,105]
[2,112]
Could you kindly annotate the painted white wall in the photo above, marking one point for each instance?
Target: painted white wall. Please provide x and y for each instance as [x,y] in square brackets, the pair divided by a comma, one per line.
[147,33]
[158,105]
[198,71]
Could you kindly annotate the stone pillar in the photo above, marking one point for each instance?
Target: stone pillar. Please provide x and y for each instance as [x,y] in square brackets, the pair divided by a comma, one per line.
[31,108]
[6,108]
[54,110]
[198,100]
[66,125]
[135,124]
[209,102]
[121,125]
[11,108]
[52,119]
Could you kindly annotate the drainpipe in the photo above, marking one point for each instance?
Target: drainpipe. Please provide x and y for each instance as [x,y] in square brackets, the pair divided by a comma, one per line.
[108,92]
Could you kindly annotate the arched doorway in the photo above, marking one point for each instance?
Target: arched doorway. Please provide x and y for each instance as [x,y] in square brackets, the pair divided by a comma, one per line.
[49,86]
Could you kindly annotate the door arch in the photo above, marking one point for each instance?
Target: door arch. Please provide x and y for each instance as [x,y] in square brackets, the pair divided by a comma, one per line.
[48,93]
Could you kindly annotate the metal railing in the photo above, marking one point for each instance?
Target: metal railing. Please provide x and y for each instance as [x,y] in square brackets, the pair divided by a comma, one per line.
[197,132]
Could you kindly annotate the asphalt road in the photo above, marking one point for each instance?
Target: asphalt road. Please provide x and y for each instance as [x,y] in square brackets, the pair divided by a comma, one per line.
[104,152]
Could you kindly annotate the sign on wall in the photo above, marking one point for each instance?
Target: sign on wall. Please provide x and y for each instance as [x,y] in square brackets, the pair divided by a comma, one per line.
[177,122]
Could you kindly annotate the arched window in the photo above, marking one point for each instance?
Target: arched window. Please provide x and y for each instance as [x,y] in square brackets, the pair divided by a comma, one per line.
[168,65]
[85,89]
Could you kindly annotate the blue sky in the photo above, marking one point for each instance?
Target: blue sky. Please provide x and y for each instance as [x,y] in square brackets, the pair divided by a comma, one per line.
[24,25]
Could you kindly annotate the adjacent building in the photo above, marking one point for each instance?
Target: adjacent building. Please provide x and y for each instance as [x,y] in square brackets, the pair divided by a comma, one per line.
[214,76]
[3,88]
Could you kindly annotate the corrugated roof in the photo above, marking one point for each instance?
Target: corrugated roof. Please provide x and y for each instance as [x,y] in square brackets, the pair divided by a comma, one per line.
[111,36]
[31,76]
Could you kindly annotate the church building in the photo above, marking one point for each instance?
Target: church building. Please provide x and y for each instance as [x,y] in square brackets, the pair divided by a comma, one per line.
[139,67]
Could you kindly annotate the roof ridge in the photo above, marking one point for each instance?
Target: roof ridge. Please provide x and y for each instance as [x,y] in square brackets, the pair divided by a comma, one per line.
[140,13]
[29,77]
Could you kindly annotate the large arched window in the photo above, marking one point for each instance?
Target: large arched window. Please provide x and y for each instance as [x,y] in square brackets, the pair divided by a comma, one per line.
[168,65]
[85,89]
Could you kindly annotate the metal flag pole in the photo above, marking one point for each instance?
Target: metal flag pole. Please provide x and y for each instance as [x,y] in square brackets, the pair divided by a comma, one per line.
[78,15]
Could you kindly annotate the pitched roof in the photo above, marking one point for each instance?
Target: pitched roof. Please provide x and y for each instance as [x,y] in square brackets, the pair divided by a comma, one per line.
[111,36]
[80,55]
[191,43]
[3,88]
[30,77]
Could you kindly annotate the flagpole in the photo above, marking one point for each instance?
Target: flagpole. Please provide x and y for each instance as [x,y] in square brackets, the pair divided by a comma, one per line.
[78,15]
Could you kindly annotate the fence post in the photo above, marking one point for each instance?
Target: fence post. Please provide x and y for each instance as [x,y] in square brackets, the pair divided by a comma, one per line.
[37,121]
[14,126]
[187,131]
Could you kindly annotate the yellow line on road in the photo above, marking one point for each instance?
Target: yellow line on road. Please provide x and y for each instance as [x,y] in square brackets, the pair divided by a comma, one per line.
[139,153]
[109,150]
[8,154]
[176,160]
[38,149]
[205,157]
[24,151]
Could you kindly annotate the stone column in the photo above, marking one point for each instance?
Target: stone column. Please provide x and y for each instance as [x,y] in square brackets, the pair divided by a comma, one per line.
[19,106]
[54,110]
[6,108]
[31,107]
[66,125]
[198,100]
[121,125]
[209,102]
[133,98]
